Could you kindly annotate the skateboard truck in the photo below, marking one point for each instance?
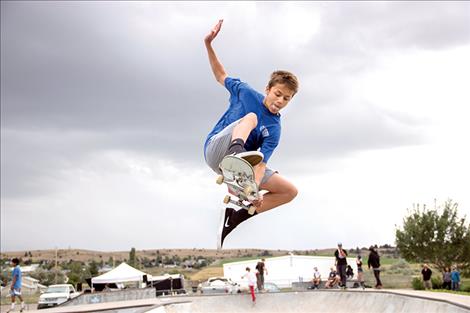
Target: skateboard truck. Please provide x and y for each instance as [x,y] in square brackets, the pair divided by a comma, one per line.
[240,203]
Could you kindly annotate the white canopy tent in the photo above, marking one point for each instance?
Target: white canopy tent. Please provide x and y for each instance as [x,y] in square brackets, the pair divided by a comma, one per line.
[120,274]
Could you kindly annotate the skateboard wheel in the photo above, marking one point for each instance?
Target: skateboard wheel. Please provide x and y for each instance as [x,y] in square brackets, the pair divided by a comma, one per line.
[227,199]
[220,179]
[251,210]
[248,190]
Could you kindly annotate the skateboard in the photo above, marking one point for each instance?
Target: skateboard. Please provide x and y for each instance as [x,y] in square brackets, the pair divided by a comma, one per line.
[239,176]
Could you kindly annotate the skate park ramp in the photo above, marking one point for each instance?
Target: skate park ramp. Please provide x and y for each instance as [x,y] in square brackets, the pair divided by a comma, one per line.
[317,301]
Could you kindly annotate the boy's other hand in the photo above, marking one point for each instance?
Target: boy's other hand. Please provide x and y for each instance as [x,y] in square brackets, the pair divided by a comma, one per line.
[259,202]
[214,31]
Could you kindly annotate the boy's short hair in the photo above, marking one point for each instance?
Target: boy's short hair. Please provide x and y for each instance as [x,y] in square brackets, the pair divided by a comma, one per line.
[15,261]
[247,269]
[286,78]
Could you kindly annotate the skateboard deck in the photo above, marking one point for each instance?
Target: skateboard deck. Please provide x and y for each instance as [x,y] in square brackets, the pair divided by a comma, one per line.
[239,176]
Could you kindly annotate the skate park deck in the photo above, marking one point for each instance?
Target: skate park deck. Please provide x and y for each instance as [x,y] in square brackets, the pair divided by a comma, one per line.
[338,301]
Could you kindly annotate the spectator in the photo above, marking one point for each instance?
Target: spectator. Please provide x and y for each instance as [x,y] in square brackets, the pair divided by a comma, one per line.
[16,282]
[455,279]
[261,269]
[251,283]
[333,279]
[341,263]
[360,271]
[349,272]
[316,278]
[374,262]
[447,279]
[427,273]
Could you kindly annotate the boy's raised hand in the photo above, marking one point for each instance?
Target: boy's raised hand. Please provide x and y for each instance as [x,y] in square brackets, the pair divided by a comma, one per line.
[214,31]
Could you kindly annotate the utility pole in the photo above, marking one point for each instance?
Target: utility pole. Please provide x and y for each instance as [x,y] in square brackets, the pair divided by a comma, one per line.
[55,278]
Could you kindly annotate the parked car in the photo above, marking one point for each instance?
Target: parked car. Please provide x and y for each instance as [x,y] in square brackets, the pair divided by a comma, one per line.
[219,285]
[271,287]
[268,287]
[56,294]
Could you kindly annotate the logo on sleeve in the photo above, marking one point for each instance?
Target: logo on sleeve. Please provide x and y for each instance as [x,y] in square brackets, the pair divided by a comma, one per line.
[264,131]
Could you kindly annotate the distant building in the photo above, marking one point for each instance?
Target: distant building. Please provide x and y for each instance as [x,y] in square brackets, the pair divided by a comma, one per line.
[105,269]
[28,268]
[285,270]
[29,286]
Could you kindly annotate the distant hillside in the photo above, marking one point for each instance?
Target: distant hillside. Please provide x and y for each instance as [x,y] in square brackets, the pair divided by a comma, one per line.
[65,255]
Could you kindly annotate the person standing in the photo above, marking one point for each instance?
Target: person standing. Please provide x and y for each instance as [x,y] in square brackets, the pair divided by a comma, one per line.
[447,279]
[360,271]
[261,270]
[341,263]
[427,273]
[250,277]
[455,279]
[16,282]
[374,262]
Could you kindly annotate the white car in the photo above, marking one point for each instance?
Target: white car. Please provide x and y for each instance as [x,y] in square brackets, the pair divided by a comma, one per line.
[57,294]
[219,285]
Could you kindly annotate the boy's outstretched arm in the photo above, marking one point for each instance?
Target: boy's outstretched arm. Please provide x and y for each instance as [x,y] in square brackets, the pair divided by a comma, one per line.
[217,67]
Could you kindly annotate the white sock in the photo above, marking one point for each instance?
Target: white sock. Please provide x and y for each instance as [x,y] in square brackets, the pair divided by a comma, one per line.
[22,304]
[12,306]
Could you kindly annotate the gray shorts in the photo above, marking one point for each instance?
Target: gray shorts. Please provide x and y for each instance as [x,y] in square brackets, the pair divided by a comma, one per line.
[217,148]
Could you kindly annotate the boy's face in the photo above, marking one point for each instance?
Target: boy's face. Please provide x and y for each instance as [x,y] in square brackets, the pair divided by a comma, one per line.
[277,98]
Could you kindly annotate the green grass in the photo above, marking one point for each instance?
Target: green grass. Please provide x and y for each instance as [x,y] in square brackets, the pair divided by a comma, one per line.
[29,299]
[225,261]
[464,293]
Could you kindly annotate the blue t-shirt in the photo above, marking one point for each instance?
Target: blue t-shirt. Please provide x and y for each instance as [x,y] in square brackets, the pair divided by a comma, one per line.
[16,272]
[455,276]
[244,100]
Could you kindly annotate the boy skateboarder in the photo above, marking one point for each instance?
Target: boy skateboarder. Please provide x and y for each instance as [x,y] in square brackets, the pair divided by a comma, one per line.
[16,282]
[251,122]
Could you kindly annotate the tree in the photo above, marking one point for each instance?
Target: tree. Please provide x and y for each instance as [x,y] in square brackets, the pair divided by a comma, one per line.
[132,258]
[93,268]
[47,278]
[440,239]
[77,273]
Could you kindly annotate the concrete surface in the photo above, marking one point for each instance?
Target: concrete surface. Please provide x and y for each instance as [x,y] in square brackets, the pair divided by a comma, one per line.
[338,301]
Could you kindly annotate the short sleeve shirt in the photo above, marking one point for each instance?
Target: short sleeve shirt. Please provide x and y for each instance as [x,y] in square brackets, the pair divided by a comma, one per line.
[243,100]
[16,272]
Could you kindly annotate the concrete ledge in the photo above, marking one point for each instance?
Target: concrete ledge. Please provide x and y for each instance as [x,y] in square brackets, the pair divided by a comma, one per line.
[304,301]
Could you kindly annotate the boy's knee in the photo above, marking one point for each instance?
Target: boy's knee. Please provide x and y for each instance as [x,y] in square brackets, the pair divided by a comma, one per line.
[252,118]
[292,192]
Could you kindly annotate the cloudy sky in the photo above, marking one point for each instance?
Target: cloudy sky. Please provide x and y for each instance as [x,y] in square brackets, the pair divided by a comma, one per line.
[105,107]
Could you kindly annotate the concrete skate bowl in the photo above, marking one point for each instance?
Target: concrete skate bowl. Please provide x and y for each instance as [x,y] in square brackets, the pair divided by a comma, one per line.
[318,301]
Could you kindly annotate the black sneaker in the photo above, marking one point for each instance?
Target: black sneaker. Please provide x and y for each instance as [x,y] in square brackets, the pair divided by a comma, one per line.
[230,219]
[236,146]
[227,224]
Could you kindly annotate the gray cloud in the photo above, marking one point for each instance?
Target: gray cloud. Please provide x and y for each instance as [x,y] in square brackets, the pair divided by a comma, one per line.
[80,79]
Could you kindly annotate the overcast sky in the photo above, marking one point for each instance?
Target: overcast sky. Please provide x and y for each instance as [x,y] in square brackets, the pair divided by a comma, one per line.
[105,107]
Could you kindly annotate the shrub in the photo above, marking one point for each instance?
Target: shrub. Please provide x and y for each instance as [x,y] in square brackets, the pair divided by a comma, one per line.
[436,283]
[401,264]
[465,287]
[417,284]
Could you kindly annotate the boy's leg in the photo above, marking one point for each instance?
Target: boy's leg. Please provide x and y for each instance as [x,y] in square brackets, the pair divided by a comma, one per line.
[22,304]
[225,142]
[241,132]
[239,135]
[280,191]
[13,302]
[252,291]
